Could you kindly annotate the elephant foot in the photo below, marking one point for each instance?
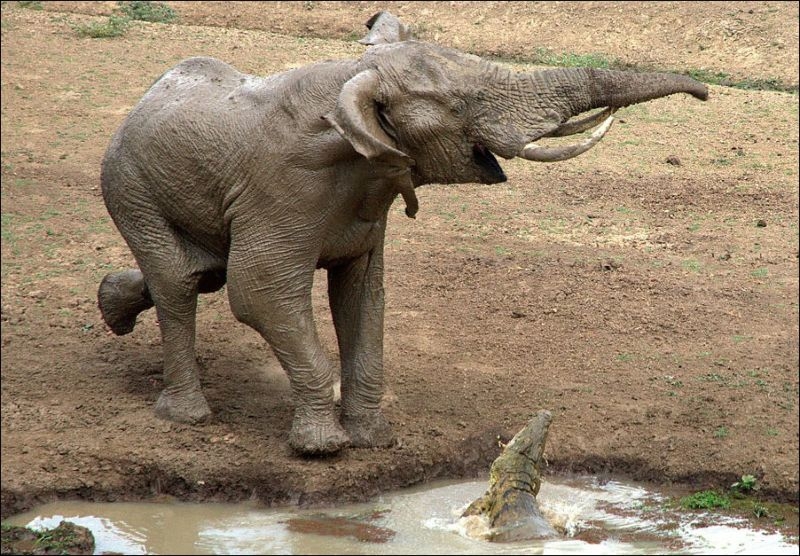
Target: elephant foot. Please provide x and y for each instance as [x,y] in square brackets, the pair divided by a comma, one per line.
[369,430]
[315,435]
[185,407]
[121,297]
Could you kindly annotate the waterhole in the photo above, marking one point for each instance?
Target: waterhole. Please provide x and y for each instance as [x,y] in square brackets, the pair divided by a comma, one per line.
[608,518]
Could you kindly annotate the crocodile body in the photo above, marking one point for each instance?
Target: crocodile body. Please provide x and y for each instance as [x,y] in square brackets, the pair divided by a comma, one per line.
[510,503]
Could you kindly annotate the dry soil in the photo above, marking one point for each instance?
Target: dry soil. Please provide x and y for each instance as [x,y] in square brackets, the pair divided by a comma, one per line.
[651,306]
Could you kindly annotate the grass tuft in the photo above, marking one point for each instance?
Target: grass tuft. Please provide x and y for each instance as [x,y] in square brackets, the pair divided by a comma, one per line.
[705,500]
[547,57]
[114,26]
[117,24]
[31,5]
[154,12]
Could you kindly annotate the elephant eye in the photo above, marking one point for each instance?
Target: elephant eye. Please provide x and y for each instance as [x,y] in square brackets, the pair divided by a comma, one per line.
[386,122]
[458,108]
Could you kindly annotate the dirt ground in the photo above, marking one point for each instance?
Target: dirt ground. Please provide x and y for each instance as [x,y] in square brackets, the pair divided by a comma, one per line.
[652,307]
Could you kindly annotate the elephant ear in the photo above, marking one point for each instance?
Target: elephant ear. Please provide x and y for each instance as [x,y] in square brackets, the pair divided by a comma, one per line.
[355,117]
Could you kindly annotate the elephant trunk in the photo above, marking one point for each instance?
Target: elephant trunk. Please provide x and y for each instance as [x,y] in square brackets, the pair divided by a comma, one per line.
[549,98]
[580,89]
[619,89]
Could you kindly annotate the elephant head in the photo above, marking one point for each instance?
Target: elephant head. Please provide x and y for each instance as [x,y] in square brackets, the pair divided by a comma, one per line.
[441,115]
[385,28]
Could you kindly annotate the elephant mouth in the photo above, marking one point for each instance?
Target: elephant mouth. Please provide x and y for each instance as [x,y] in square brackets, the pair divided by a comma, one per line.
[491,172]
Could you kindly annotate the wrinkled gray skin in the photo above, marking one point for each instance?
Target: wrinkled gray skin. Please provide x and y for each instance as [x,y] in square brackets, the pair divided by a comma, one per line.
[217,176]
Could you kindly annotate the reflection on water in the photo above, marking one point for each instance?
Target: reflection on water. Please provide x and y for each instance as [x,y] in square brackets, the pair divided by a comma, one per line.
[613,518]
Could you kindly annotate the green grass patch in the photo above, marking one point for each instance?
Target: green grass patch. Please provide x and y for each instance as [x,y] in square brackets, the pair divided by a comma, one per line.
[760,511]
[114,26]
[692,265]
[705,500]
[547,57]
[739,500]
[721,161]
[117,24]
[7,228]
[63,539]
[745,485]
[750,84]
[154,12]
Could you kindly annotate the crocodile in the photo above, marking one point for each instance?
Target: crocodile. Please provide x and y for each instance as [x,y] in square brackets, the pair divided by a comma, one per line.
[509,504]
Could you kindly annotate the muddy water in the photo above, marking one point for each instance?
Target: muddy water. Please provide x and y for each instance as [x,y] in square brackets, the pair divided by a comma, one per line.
[612,518]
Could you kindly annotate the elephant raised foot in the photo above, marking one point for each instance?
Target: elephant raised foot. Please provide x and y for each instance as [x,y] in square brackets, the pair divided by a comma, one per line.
[121,297]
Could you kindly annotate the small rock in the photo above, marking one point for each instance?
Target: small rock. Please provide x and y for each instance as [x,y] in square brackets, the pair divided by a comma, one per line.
[674,160]
[609,265]
[761,223]
[517,314]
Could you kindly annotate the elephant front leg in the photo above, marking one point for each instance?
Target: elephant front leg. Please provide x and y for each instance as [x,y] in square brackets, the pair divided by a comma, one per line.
[355,290]
[278,305]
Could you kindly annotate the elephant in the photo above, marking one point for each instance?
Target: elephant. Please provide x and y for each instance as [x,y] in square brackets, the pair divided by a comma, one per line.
[220,177]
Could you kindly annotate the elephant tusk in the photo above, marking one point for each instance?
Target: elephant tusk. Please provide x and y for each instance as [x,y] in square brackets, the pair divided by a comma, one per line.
[579,126]
[537,153]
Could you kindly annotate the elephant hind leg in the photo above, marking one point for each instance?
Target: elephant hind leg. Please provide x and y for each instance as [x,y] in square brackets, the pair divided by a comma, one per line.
[175,296]
[172,273]
[121,297]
